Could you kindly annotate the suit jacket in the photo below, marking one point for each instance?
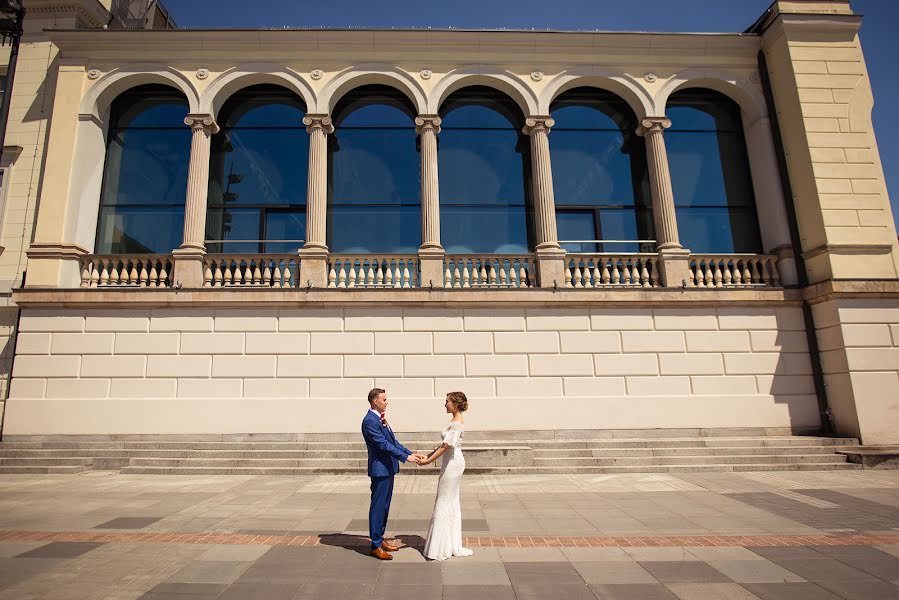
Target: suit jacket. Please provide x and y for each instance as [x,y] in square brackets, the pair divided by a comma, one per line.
[384,452]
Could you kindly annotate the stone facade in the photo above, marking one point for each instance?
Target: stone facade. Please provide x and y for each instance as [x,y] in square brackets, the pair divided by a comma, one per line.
[613,343]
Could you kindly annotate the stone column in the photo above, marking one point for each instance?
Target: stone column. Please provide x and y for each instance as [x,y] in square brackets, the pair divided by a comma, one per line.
[550,257]
[673,258]
[314,253]
[189,256]
[431,253]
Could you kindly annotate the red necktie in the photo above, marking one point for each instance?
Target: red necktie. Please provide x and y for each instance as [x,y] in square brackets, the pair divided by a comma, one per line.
[384,419]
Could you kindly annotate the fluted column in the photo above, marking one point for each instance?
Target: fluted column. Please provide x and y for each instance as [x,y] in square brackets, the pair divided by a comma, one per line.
[431,253]
[550,257]
[673,258]
[318,127]
[188,269]
[537,128]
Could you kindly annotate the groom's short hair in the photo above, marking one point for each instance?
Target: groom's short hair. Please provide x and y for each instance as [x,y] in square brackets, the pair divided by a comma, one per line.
[373,395]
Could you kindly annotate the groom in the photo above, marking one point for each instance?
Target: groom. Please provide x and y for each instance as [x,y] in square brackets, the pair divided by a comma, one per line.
[384,454]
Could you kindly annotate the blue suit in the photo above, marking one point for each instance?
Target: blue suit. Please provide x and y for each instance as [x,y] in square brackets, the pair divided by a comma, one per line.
[384,457]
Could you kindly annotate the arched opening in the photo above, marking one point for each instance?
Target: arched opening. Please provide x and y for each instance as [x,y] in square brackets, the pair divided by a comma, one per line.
[485,174]
[145,173]
[599,174]
[257,173]
[373,174]
[713,194]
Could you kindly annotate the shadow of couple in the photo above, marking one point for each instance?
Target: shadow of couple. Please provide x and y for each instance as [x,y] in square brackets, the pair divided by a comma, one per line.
[361,544]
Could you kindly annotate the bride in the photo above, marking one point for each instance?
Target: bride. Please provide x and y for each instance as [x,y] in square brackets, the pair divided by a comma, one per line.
[445,531]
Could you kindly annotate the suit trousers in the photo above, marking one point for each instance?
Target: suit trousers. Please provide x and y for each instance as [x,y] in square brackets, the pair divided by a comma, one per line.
[381,494]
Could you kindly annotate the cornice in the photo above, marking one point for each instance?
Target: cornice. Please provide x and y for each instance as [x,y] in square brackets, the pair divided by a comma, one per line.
[94,13]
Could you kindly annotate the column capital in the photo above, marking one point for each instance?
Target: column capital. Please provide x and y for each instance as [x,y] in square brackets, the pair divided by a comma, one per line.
[653,125]
[537,123]
[203,122]
[427,123]
[322,122]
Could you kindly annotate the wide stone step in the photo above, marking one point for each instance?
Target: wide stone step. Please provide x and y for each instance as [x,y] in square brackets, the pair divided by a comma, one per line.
[692,460]
[495,470]
[25,470]
[690,451]
[45,461]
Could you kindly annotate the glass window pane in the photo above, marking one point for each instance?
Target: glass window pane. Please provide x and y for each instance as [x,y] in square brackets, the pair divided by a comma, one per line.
[385,113]
[375,166]
[709,169]
[284,225]
[233,224]
[718,230]
[591,168]
[485,229]
[481,166]
[476,116]
[582,116]
[703,110]
[139,230]
[576,225]
[265,111]
[259,166]
[147,166]
[374,230]
[150,110]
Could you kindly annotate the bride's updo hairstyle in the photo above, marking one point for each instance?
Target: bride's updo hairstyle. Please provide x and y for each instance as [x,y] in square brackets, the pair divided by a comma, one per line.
[459,399]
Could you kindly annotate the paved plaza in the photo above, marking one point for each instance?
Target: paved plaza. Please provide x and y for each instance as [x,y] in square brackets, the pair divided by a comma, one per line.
[715,536]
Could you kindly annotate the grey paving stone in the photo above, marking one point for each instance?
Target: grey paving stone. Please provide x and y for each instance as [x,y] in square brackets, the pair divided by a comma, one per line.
[128,523]
[513,555]
[410,574]
[275,574]
[774,553]
[684,572]
[61,550]
[541,590]
[711,591]
[406,592]
[863,590]
[210,571]
[632,592]
[294,556]
[260,591]
[234,552]
[472,573]
[10,549]
[822,569]
[790,591]
[660,554]
[320,590]
[16,570]
[710,553]
[478,592]
[613,572]
[755,571]
[396,525]
[562,573]
[185,591]
[864,558]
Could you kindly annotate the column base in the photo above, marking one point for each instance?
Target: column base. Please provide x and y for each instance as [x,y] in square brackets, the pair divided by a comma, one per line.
[786,265]
[551,267]
[313,267]
[189,267]
[431,267]
[674,267]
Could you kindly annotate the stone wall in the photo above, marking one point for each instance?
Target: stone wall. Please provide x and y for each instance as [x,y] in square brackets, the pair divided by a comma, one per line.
[171,370]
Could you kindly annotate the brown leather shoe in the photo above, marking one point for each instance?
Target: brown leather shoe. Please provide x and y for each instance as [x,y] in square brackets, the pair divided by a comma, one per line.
[389,547]
[380,554]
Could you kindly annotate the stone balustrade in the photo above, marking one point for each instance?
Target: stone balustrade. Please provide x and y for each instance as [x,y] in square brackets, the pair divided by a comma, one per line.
[489,271]
[611,270]
[733,270]
[266,270]
[150,270]
[373,271]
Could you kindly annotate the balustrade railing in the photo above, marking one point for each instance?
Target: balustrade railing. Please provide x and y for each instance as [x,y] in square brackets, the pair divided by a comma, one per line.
[373,271]
[490,271]
[733,270]
[150,270]
[265,270]
[611,270]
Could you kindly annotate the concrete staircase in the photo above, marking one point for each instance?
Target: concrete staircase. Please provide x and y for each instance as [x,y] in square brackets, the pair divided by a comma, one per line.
[523,452]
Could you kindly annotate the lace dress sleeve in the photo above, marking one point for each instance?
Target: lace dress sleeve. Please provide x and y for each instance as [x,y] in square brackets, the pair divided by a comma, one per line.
[453,435]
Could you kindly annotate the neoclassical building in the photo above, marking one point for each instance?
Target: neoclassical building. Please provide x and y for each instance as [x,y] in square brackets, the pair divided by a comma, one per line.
[245,231]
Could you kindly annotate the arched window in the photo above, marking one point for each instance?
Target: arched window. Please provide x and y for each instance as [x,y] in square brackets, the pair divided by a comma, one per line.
[713,195]
[599,173]
[257,173]
[145,175]
[374,192]
[484,163]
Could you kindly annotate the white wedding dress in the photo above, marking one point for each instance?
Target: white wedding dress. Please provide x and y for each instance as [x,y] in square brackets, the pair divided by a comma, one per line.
[445,531]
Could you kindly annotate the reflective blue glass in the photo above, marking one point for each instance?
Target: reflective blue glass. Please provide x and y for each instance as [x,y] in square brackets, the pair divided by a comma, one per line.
[710,174]
[285,225]
[484,163]
[576,225]
[259,163]
[591,168]
[145,173]
[374,204]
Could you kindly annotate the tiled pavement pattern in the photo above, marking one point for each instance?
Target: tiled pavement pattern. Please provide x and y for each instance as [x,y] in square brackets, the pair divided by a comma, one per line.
[689,536]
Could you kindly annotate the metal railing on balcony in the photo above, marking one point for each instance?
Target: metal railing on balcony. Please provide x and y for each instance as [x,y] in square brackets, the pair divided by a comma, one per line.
[373,271]
[127,270]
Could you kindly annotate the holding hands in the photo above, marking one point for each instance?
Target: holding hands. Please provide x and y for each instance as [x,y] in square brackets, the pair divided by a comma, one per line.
[418,458]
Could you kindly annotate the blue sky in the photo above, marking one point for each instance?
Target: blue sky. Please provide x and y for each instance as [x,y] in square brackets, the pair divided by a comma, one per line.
[879,38]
